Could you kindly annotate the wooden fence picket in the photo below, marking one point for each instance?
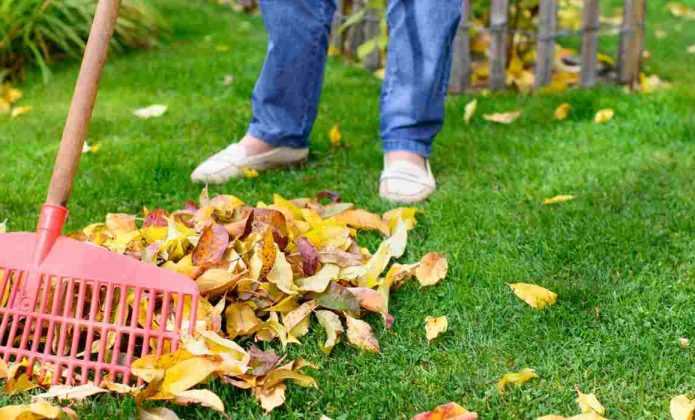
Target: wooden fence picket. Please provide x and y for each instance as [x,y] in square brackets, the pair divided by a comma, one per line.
[590,28]
[631,41]
[461,53]
[498,43]
[545,53]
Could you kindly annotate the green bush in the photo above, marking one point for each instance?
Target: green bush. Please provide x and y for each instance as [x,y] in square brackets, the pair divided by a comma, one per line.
[38,32]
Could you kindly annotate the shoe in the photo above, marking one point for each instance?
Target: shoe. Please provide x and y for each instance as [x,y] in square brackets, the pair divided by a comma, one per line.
[230,163]
[405,182]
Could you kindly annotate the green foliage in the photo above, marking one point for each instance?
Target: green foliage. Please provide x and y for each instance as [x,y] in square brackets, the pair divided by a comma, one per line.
[37,32]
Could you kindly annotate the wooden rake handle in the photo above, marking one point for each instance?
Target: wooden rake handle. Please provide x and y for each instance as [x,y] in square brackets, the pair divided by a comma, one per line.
[82,104]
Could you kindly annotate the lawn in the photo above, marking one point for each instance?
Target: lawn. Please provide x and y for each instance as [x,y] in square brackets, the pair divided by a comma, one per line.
[621,256]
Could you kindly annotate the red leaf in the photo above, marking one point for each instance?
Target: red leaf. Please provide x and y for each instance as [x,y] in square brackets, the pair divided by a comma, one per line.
[157,217]
[310,256]
[331,195]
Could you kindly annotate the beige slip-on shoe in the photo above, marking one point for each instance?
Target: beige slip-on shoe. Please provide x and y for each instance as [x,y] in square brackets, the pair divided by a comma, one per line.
[230,163]
[405,182]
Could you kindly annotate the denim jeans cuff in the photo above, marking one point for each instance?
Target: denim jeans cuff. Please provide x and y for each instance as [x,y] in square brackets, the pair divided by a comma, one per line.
[415,146]
[277,141]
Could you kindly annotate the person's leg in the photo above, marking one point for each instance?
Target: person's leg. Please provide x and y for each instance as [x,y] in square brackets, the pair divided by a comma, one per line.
[421,34]
[286,95]
[285,98]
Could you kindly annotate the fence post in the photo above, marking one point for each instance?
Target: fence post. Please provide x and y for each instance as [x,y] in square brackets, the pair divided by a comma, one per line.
[336,35]
[371,31]
[545,56]
[590,28]
[498,44]
[631,41]
[354,37]
[461,54]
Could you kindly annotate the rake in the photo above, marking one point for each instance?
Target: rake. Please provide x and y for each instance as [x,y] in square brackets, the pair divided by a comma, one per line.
[72,312]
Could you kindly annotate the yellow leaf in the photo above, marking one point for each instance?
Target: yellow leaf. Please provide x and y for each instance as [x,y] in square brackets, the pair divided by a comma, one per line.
[649,84]
[319,281]
[691,49]
[37,410]
[558,199]
[331,323]
[10,94]
[537,297]
[588,403]
[86,148]
[204,397]
[435,326]
[683,342]
[399,239]
[503,117]
[19,384]
[120,222]
[188,373]
[241,320]
[682,408]
[216,281]
[407,214]
[603,116]
[152,111]
[157,413]
[335,136]
[281,274]
[562,111]
[469,110]
[4,107]
[270,398]
[432,269]
[363,220]
[360,334]
[20,110]
[249,172]
[376,265]
[516,378]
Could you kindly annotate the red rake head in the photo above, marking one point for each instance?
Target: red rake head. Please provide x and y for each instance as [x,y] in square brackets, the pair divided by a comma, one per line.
[83,312]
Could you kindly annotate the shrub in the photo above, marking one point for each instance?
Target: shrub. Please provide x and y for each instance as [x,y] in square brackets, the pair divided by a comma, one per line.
[38,32]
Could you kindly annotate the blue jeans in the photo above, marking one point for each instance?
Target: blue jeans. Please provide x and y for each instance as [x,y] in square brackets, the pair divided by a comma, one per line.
[286,95]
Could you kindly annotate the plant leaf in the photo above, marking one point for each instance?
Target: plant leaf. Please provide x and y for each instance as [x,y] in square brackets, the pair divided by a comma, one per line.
[536,296]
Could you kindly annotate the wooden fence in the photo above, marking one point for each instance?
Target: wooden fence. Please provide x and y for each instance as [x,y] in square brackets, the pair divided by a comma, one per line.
[631,31]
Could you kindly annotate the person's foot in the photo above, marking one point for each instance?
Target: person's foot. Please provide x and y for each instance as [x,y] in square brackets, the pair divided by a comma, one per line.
[249,153]
[407,178]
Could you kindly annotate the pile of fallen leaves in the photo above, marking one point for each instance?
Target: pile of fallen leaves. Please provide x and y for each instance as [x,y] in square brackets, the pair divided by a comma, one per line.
[265,272]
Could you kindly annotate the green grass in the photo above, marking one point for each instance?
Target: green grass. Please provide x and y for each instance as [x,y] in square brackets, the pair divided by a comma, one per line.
[621,256]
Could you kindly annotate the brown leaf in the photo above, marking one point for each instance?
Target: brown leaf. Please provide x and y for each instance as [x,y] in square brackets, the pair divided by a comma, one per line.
[211,246]
[261,361]
[331,195]
[435,326]
[448,411]
[270,399]
[369,299]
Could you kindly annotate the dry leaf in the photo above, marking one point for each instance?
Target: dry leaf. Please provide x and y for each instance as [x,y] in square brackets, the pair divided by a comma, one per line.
[562,111]
[228,79]
[536,296]
[516,378]
[369,299]
[399,239]
[152,111]
[67,392]
[37,410]
[682,408]
[86,148]
[363,220]
[271,398]
[333,327]
[407,214]
[448,411]
[588,403]
[435,326]
[20,110]
[203,397]
[319,281]
[157,413]
[558,199]
[691,49]
[603,116]
[683,342]
[432,269]
[469,110]
[249,172]
[211,246]
[310,256]
[503,117]
[360,334]
[335,136]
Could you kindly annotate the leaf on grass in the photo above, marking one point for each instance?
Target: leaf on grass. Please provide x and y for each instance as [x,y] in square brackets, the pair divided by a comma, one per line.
[363,220]
[270,399]
[67,392]
[338,298]
[333,327]
[683,342]
[588,403]
[432,269]
[407,214]
[448,411]
[583,416]
[204,397]
[503,117]
[604,115]
[376,265]
[19,384]
[562,198]
[152,111]
[334,135]
[188,373]
[157,413]
[691,49]
[399,239]
[682,408]
[536,296]
[319,281]
[562,111]
[515,378]
[360,334]
[37,410]
[249,172]
[469,110]
[435,326]
[211,246]
[86,148]
[20,110]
